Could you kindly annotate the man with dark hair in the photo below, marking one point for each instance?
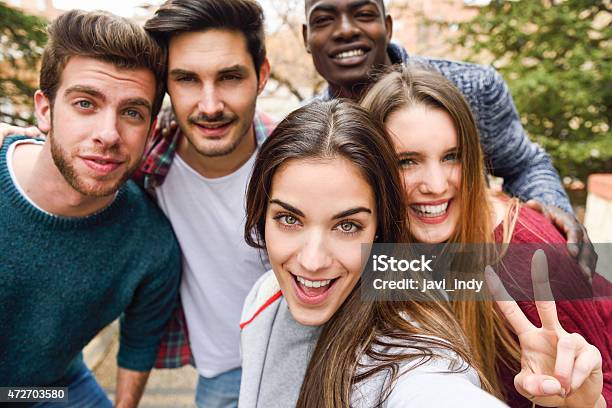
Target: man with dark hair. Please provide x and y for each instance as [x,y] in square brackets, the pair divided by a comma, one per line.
[198,174]
[80,245]
[350,39]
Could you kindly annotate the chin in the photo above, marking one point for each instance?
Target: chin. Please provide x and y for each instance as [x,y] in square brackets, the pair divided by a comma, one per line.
[309,318]
[431,236]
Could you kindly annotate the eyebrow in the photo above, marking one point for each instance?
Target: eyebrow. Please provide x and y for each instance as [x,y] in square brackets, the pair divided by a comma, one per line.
[352,211]
[412,154]
[287,207]
[99,95]
[180,71]
[240,69]
[342,214]
[138,102]
[86,90]
[331,8]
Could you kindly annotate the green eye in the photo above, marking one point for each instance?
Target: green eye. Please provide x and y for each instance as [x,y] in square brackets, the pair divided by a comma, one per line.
[290,220]
[84,104]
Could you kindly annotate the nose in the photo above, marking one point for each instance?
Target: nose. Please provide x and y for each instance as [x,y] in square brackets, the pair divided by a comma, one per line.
[434,180]
[107,132]
[346,29]
[210,104]
[314,255]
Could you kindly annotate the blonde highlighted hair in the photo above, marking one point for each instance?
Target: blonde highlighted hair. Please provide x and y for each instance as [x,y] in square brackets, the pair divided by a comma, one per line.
[406,87]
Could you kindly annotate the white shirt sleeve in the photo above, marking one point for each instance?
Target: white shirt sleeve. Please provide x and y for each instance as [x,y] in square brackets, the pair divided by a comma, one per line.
[424,387]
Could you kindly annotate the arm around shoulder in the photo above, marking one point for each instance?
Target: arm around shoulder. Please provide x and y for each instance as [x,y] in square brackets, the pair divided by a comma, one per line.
[526,168]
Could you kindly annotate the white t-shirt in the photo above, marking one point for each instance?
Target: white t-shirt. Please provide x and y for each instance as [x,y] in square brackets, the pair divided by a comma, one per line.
[219,268]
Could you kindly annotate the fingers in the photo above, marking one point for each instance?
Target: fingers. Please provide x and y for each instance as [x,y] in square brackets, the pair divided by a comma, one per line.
[511,311]
[544,299]
[532,385]
[588,257]
[588,360]
[567,347]
[539,207]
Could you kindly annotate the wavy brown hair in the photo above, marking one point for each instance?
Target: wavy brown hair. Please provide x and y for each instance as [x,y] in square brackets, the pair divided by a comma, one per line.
[404,87]
[342,129]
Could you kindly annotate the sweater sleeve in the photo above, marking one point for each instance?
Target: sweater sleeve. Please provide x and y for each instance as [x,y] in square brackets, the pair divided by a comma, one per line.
[144,321]
[526,168]
[422,387]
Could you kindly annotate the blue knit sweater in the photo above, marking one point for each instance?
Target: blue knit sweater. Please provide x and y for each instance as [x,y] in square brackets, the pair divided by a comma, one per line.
[63,279]
[526,168]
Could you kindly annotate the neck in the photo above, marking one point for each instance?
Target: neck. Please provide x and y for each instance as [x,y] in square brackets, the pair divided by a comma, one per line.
[355,91]
[43,183]
[218,166]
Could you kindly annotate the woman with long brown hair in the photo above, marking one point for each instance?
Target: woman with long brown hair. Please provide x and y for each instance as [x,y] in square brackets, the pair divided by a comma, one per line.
[324,183]
[442,166]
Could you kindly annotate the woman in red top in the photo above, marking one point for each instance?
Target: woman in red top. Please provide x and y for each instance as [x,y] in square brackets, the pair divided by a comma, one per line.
[436,139]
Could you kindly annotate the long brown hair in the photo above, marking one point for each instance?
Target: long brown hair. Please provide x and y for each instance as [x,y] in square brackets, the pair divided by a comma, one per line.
[405,87]
[342,129]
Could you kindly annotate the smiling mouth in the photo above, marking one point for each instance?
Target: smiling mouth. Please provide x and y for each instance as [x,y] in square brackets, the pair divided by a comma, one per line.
[312,291]
[357,52]
[430,211]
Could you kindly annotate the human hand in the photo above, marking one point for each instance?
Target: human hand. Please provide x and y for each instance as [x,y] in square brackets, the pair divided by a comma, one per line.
[166,121]
[557,368]
[8,130]
[578,243]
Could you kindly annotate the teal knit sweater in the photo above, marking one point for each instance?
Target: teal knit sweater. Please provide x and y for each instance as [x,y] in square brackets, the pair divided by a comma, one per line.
[63,279]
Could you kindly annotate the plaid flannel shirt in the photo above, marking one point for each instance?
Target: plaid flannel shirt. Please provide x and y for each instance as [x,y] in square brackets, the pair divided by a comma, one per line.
[174,350]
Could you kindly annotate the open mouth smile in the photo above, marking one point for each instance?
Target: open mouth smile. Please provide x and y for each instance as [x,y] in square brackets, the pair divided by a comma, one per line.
[312,292]
[431,213]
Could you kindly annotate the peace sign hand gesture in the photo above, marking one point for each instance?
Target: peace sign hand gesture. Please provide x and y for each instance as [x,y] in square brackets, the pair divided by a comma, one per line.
[558,369]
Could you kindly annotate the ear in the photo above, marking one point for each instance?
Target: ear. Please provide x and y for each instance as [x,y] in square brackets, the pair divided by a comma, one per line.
[264,74]
[42,108]
[305,37]
[389,26]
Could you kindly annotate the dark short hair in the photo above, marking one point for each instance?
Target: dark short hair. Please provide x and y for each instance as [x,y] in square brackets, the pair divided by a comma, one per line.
[180,16]
[105,37]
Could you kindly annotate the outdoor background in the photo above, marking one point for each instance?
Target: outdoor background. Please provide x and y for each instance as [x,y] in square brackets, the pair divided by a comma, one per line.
[555,55]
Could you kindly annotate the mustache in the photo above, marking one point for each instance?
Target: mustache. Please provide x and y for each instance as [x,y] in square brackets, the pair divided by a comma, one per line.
[222,117]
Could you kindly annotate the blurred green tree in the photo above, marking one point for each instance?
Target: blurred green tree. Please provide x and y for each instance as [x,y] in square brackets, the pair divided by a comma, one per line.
[22,38]
[556,57]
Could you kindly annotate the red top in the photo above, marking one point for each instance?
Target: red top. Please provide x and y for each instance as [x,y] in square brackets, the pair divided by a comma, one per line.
[590,318]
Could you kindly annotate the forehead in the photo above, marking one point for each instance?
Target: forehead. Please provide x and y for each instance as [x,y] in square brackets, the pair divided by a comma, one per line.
[113,82]
[322,187]
[422,128]
[312,5]
[208,51]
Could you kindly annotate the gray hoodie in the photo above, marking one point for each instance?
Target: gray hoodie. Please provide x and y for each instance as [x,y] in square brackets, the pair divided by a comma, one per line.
[276,351]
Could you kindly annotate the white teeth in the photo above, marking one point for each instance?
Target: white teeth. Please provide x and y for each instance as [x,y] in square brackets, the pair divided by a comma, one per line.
[349,54]
[313,284]
[431,210]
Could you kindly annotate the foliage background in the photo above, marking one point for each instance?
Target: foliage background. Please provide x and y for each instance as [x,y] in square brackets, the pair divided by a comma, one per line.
[22,38]
[554,54]
[556,58]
